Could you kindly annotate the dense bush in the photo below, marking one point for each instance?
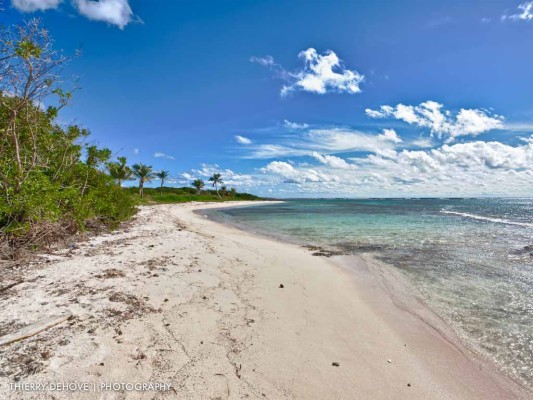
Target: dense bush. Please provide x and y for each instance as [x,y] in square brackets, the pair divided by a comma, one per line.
[64,179]
[49,175]
[186,194]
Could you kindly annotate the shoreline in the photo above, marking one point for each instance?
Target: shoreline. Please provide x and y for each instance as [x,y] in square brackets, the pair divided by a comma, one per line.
[198,304]
[391,294]
[394,284]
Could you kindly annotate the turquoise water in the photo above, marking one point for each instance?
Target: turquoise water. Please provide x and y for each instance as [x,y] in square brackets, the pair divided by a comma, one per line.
[471,260]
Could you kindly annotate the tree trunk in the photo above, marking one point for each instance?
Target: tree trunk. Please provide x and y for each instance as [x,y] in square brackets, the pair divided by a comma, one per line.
[141,191]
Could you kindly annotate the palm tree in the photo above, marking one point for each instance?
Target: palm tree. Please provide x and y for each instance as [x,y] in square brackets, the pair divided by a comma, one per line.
[144,174]
[216,179]
[162,175]
[233,192]
[119,170]
[224,190]
[198,184]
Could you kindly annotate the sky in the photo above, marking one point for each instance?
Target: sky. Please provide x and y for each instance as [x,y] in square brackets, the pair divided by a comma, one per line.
[306,98]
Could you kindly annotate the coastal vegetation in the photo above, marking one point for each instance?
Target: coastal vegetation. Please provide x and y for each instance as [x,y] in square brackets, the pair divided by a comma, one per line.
[216,180]
[54,182]
[167,195]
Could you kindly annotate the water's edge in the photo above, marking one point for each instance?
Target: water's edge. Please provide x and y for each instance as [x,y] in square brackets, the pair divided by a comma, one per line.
[368,270]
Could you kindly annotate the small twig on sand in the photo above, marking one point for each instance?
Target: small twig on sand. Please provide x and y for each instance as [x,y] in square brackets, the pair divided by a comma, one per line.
[34,329]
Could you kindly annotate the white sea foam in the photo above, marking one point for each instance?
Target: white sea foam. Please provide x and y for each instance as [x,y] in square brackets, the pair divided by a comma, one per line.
[490,219]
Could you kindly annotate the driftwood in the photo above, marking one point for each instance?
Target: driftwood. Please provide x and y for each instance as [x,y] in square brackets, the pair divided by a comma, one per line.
[34,329]
[7,287]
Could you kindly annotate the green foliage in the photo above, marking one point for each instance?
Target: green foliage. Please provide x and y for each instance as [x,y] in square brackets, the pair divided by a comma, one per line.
[185,194]
[144,173]
[62,177]
[162,175]
[216,180]
[49,175]
[119,170]
[198,184]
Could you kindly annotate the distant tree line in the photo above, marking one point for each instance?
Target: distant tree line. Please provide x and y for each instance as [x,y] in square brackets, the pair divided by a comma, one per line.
[119,171]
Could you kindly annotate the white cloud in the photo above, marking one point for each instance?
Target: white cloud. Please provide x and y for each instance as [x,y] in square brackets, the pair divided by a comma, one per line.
[324,141]
[294,125]
[266,61]
[474,168]
[115,12]
[136,151]
[35,5]
[187,176]
[242,140]
[159,154]
[430,114]
[230,178]
[321,74]
[525,13]
[275,150]
[280,168]
[423,142]
[333,161]
[390,135]
[292,175]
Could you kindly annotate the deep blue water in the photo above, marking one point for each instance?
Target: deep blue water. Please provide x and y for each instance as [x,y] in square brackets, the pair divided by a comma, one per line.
[468,258]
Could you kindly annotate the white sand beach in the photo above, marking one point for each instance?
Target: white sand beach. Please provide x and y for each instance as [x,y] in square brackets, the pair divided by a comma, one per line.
[221,313]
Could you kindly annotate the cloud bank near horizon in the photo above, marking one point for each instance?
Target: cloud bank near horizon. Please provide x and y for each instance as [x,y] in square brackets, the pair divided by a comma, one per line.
[441,122]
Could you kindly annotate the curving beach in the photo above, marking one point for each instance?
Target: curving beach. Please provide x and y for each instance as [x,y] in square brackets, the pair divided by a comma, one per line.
[218,312]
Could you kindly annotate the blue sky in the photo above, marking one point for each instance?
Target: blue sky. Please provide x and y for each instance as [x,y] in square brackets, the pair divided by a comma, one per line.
[301,98]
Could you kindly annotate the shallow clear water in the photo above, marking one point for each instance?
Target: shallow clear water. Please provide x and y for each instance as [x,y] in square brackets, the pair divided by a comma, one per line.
[467,257]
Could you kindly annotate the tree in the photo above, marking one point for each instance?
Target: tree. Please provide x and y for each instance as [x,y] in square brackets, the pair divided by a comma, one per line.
[198,184]
[120,171]
[28,75]
[162,175]
[52,182]
[217,180]
[144,174]
[224,190]
[233,192]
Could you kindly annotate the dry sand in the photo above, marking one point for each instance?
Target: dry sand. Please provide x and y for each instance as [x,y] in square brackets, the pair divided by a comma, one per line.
[179,299]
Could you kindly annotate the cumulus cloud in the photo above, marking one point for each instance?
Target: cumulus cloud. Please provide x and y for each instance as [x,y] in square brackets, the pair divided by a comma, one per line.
[159,154]
[333,161]
[430,114]
[525,12]
[242,140]
[473,168]
[321,74]
[292,175]
[115,12]
[390,135]
[35,5]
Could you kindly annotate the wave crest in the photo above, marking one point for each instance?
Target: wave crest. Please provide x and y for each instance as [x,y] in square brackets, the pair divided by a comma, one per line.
[490,219]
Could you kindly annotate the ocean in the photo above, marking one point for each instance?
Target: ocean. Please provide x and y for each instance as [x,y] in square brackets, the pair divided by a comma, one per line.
[470,260]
